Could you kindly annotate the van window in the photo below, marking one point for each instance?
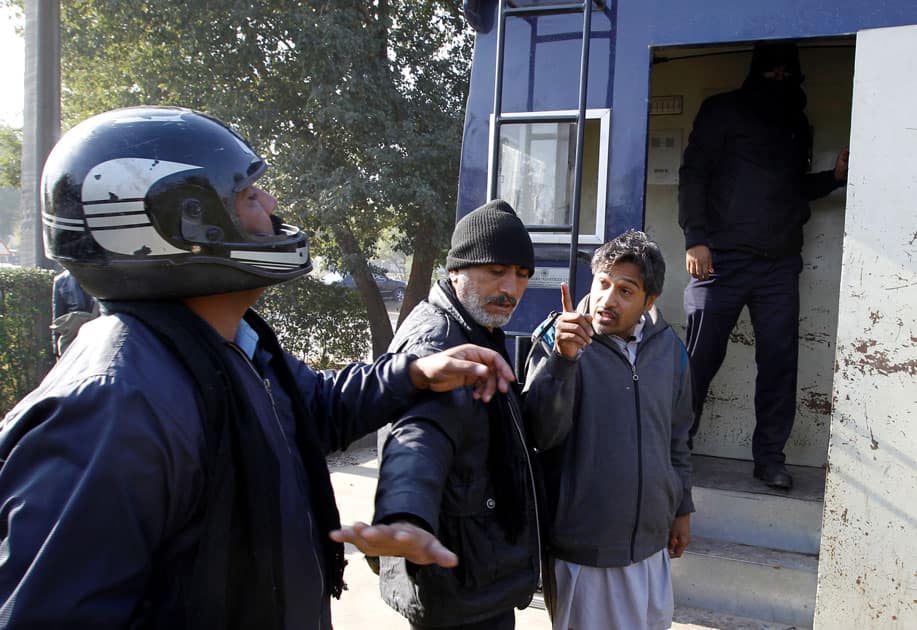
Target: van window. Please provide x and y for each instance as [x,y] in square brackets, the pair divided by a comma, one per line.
[536,168]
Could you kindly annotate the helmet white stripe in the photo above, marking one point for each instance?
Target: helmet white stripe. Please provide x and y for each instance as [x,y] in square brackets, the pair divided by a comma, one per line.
[272,267]
[119,220]
[62,226]
[114,208]
[50,219]
[295,259]
[127,178]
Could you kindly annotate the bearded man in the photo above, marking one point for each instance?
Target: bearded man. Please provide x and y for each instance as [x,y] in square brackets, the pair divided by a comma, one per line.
[459,468]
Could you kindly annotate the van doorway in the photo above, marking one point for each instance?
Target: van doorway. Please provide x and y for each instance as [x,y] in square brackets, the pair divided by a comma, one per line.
[682,77]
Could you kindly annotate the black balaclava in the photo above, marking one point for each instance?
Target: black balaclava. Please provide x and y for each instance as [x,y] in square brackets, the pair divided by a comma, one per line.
[776,100]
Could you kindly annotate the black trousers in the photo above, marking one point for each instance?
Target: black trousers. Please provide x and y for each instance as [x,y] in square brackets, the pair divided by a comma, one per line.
[770,290]
[503,621]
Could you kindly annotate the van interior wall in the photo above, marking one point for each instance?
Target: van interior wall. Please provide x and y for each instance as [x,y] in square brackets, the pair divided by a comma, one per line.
[728,421]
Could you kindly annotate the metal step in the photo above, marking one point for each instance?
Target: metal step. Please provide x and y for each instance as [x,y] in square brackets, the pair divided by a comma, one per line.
[687,618]
[777,586]
[732,506]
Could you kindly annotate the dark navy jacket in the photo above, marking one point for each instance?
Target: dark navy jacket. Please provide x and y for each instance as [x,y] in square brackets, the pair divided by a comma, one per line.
[744,184]
[100,502]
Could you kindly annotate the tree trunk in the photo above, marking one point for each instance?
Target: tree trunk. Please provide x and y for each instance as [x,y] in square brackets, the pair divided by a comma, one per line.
[425,252]
[41,119]
[380,326]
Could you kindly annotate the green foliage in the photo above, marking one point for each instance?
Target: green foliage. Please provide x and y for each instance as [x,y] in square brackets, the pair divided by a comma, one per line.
[323,325]
[10,156]
[357,105]
[9,213]
[25,339]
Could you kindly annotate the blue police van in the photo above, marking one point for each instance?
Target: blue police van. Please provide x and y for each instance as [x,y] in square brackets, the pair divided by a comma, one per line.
[579,113]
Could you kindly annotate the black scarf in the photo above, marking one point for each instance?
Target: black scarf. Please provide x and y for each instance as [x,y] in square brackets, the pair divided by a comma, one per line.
[777,102]
[237,579]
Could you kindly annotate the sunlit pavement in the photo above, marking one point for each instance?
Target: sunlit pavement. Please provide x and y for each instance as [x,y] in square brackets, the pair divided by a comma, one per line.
[361,608]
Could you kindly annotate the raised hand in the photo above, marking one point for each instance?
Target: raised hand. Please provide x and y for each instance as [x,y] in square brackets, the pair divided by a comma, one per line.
[463,365]
[400,539]
[572,330]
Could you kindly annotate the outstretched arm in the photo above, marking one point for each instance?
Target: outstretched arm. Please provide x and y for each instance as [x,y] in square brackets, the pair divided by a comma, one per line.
[361,398]
[460,366]
[400,539]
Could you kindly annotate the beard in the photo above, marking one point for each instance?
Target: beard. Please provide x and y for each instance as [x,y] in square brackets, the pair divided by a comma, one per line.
[470,297]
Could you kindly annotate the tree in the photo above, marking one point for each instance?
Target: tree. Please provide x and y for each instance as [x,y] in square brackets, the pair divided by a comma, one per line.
[328,335]
[10,176]
[10,156]
[357,105]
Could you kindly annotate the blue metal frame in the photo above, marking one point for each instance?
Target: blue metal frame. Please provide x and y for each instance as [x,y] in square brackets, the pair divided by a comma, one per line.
[505,11]
[623,36]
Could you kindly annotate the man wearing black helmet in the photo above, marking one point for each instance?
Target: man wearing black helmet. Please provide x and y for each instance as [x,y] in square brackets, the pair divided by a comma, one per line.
[169,472]
[743,199]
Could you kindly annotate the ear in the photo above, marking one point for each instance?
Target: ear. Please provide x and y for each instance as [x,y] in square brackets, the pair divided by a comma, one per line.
[650,300]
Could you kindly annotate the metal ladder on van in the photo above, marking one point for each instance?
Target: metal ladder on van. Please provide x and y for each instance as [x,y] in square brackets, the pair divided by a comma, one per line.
[511,8]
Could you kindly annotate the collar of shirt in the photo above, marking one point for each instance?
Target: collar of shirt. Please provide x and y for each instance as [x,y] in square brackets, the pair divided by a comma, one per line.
[629,346]
[247,339]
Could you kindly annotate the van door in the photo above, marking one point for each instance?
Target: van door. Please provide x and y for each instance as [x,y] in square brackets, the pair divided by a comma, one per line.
[866,576]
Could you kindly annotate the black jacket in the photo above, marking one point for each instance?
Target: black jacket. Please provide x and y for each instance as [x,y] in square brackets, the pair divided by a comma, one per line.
[434,470]
[743,183]
[102,499]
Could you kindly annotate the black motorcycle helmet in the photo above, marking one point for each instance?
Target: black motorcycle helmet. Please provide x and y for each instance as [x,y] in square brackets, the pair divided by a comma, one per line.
[139,204]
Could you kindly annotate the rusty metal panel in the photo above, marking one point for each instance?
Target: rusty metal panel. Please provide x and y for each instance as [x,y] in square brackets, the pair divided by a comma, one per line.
[868,562]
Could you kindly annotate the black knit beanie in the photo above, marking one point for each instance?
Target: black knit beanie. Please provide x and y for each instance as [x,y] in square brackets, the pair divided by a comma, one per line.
[491,235]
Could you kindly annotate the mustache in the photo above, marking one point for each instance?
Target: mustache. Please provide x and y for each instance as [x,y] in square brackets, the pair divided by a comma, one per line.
[502,300]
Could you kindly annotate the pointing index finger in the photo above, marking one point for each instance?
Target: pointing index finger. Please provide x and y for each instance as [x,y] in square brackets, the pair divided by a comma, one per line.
[565,299]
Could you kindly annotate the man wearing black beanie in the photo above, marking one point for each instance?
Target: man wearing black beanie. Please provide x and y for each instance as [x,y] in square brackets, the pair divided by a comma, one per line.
[455,466]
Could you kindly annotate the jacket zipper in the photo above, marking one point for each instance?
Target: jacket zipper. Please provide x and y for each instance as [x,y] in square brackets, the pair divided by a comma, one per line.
[633,537]
[528,462]
[636,379]
[270,394]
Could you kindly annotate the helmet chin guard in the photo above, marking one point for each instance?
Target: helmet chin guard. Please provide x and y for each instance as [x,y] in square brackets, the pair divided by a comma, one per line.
[139,204]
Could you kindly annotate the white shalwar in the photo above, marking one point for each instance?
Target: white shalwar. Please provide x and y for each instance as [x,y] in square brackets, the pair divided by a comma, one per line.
[635,597]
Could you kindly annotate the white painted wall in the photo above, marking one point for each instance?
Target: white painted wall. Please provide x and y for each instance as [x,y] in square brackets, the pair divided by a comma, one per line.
[729,413]
[868,561]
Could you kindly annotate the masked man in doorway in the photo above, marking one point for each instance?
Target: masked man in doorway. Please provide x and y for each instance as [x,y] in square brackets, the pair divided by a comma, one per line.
[455,466]
[614,374]
[169,472]
[743,200]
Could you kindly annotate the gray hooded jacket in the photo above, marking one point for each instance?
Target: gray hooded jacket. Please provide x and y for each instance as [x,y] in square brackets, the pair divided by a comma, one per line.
[623,473]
